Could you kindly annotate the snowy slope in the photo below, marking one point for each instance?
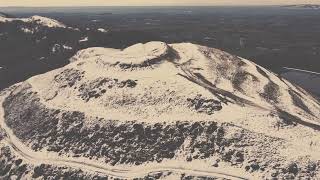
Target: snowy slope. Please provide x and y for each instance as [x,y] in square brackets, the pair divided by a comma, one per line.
[265,126]
[197,70]
[44,21]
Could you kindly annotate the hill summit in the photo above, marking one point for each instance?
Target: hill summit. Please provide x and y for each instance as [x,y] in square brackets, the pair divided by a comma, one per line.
[159,104]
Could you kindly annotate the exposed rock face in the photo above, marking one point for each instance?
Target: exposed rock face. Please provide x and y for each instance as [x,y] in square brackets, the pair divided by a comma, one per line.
[157,103]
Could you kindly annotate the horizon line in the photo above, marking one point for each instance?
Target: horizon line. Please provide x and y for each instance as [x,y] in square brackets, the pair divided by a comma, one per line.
[204,5]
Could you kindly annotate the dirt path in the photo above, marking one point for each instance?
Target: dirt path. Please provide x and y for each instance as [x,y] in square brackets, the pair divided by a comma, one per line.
[90,165]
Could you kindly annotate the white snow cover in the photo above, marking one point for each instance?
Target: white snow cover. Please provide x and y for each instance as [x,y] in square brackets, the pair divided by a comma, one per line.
[102,30]
[47,21]
[27,30]
[67,47]
[166,76]
[44,21]
[167,79]
[55,48]
[84,39]
[136,54]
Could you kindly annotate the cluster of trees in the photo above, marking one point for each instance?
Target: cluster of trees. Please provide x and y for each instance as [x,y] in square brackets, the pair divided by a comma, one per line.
[131,142]
[117,142]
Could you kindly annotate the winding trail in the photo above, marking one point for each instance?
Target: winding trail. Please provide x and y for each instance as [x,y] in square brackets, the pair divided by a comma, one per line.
[301,70]
[91,165]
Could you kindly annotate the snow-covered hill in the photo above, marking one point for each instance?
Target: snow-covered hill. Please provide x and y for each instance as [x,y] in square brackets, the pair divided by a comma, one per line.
[159,104]
[44,21]
[197,70]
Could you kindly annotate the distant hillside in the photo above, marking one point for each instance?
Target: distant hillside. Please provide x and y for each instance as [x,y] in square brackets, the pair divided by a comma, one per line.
[303,6]
[5,15]
[37,44]
[43,21]
[33,45]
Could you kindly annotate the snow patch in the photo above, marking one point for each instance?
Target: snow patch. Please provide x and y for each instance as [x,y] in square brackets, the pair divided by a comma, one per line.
[27,30]
[56,48]
[102,30]
[44,21]
[134,55]
[84,39]
[67,47]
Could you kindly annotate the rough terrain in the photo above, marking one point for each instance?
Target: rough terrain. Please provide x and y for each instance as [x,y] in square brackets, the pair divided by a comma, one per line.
[179,108]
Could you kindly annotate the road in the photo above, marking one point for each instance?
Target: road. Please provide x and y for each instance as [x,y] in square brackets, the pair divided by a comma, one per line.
[301,70]
[90,165]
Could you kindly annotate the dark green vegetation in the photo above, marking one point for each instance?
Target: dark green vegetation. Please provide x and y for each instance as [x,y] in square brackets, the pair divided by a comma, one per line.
[271,92]
[95,89]
[13,167]
[201,105]
[130,142]
[10,165]
[117,142]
